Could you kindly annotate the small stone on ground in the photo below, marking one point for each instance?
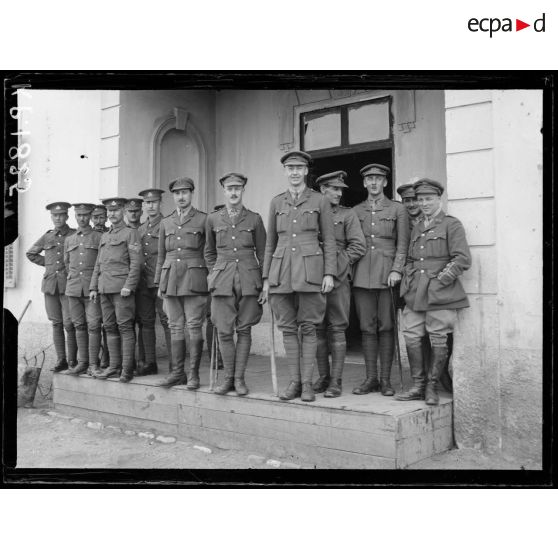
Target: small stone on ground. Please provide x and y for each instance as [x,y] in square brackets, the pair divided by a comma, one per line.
[166,439]
[203,448]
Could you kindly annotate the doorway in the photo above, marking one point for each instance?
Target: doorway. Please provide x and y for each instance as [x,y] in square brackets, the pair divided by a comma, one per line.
[351,163]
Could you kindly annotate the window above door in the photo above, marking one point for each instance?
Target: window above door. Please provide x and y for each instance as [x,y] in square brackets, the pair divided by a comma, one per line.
[350,127]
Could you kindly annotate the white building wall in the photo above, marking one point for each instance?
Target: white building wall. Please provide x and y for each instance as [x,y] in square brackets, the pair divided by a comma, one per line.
[494,166]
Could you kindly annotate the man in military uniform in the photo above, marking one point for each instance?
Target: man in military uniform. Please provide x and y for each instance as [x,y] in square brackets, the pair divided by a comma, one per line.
[385,225]
[115,278]
[409,200]
[298,272]
[134,212]
[234,252]
[438,255]
[351,247]
[147,301]
[99,218]
[181,276]
[80,255]
[54,284]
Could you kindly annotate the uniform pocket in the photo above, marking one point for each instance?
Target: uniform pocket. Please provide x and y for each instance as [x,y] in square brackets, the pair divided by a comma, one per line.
[440,294]
[170,240]
[215,272]
[275,267]
[256,274]
[309,219]
[221,236]
[387,227]
[245,237]
[282,220]
[164,280]
[436,243]
[313,263]
[192,238]
[197,278]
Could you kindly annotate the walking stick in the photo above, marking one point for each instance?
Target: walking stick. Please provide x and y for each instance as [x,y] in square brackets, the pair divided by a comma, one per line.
[217,352]
[24,310]
[397,348]
[272,356]
[212,363]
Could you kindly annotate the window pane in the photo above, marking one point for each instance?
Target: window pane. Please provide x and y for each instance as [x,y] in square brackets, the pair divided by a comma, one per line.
[369,122]
[322,130]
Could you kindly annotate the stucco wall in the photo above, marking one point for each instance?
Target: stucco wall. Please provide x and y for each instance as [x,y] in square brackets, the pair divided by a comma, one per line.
[141,112]
[64,125]
[494,149]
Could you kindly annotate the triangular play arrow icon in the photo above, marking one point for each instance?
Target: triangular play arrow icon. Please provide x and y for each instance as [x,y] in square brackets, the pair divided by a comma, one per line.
[519,25]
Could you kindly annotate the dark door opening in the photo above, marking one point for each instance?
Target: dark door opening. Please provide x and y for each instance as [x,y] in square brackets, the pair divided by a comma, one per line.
[351,163]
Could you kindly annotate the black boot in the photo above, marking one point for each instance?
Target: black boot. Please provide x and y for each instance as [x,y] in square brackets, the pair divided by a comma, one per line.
[309,345]
[322,358]
[150,366]
[338,346]
[82,339]
[439,358]
[60,348]
[168,343]
[196,349]
[370,352]
[386,348]
[105,359]
[128,336]
[177,376]
[115,364]
[243,343]
[292,349]
[72,347]
[228,350]
[415,355]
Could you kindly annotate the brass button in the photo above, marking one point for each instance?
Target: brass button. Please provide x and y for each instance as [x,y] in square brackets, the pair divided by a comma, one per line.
[372,235]
[422,259]
[294,234]
[373,223]
[372,247]
[178,259]
[422,247]
[422,270]
[179,249]
[147,243]
[234,249]
[233,226]
[236,261]
[233,237]
[294,220]
[179,227]
[293,249]
[81,272]
[177,238]
[145,254]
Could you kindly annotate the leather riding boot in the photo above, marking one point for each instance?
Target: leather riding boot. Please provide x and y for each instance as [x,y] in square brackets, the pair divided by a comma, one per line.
[196,349]
[94,347]
[177,376]
[59,348]
[72,346]
[446,380]
[415,354]
[105,359]
[370,352]
[309,345]
[150,366]
[292,349]
[82,339]
[243,343]
[439,357]
[168,343]
[338,346]
[322,358]
[386,349]
[141,346]
[228,350]
[128,336]
[115,364]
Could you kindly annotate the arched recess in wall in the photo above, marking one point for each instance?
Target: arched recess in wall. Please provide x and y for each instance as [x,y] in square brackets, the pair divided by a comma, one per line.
[178,150]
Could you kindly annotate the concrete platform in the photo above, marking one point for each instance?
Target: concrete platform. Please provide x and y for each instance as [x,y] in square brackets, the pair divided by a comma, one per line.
[355,432]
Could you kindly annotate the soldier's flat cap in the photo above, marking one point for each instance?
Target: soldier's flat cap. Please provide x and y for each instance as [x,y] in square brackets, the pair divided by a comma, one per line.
[374,168]
[183,183]
[406,191]
[114,203]
[336,178]
[428,186]
[218,207]
[99,210]
[83,208]
[134,203]
[58,207]
[233,179]
[151,194]
[296,158]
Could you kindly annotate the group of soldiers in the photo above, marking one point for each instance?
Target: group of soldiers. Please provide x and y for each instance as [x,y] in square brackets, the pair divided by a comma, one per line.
[189,265]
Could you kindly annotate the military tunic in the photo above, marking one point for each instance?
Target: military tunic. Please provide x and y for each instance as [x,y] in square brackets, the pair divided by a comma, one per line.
[295,262]
[234,253]
[54,280]
[181,271]
[386,230]
[351,247]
